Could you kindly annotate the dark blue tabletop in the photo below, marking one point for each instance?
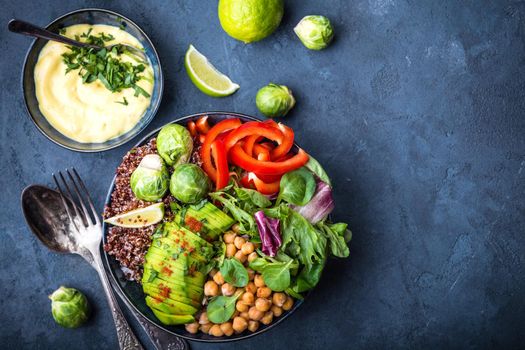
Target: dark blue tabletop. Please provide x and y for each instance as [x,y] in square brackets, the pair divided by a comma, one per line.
[417,113]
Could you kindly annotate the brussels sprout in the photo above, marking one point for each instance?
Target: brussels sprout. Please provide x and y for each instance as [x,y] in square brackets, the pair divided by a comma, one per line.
[149,181]
[315,32]
[274,100]
[174,144]
[189,183]
[69,307]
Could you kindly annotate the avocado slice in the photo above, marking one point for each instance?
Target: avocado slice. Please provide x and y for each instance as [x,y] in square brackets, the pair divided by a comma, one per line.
[174,294]
[177,270]
[170,306]
[172,320]
[180,283]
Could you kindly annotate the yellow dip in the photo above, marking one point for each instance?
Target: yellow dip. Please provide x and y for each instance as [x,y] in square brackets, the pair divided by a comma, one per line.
[88,112]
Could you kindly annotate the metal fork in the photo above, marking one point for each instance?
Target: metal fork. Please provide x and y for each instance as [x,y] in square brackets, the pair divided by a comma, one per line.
[89,231]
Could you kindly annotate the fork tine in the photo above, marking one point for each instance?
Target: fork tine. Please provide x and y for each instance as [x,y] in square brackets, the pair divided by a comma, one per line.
[70,196]
[63,197]
[89,220]
[86,195]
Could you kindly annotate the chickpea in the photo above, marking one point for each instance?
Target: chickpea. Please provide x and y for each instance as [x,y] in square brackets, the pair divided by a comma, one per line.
[227,328]
[216,331]
[205,328]
[244,315]
[241,307]
[255,314]
[264,292]
[251,287]
[228,289]
[203,319]
[252,256]
[247,248]
[239,241]
[251,274]
[253,326]
[236,228]
[259,281]
[239,324]
[192,327]
[248,298]
[229,237]
[240,256]
[277,311]
[230,250]
[288,303]
[267,318]
[211,289]
[218,278]
[278,299]
[263,304]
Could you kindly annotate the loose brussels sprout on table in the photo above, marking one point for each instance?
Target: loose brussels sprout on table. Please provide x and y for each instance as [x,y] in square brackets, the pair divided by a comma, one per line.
[189,183]
[315,32]
[149,181]
[69,307]
[274,100]
[174,144]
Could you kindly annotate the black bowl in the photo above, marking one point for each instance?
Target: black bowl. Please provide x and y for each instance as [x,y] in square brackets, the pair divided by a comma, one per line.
[91,16]
[132,291]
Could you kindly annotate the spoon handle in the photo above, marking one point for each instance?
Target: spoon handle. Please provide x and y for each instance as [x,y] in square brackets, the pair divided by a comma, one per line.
[126,338]
[21,27]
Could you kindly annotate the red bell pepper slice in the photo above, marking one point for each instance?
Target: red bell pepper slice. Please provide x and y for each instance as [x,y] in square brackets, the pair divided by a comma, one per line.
[221,162]
[202,125]
[220,127]
[250,142]
[264,187]
[240,158]
[285,146]
[192,128]
[253,128]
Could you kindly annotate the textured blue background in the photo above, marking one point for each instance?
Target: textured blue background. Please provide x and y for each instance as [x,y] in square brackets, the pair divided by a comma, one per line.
[416,111]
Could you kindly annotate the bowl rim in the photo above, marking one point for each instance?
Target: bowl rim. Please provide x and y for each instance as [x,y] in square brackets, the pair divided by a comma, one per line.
[123,141]
[114,278]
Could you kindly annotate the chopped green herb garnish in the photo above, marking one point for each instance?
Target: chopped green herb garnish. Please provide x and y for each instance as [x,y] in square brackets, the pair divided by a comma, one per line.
[62,31]
[104,65]
[152,276]
[125,102]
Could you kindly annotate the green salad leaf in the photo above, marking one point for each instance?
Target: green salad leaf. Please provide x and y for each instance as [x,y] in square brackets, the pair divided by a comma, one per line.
[221,308]
[234,272]
[297,187]
[252,198]
[316,168]
[309,277]
[246,221]
[335,234]
[276,274]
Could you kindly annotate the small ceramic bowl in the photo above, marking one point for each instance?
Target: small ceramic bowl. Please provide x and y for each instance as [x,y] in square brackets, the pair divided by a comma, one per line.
[90,16]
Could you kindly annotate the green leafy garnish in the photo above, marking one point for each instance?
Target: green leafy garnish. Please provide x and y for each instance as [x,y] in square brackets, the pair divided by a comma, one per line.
[101,64]
[234,273]
[221,308]
[297,187]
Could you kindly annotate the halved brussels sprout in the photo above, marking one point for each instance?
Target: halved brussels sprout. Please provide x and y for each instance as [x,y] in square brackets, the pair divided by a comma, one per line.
[149,181]
[315,32]
[189,183]
[69,307]
[274,100]
[174,144]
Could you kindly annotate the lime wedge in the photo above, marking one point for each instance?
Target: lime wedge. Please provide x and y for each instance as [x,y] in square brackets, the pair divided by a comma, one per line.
[205,76]
[137,218]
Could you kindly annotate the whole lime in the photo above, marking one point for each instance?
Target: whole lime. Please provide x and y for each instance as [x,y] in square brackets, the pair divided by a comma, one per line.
[250,20]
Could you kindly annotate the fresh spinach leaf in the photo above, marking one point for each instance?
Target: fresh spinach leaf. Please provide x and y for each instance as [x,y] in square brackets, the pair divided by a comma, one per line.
[221,308]
[245,220]
[309,277]
[335,235]
[316,168]
[277,275]
[297,187]
[254,198]
[258,264]
[234,272]
[293,293]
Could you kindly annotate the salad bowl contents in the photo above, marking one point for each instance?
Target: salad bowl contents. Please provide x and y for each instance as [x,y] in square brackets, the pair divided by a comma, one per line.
[241,232]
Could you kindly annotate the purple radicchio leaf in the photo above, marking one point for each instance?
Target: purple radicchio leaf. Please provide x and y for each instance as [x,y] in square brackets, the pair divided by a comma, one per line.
[269,231]
[321,204]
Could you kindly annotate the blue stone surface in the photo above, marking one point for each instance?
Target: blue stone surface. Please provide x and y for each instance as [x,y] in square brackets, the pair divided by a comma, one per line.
[417,112]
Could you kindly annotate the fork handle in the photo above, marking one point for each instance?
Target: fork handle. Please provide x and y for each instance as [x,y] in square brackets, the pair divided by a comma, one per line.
[126,338]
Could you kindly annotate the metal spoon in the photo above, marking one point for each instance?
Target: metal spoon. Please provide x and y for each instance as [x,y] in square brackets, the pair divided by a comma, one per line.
[48,220]
[21,27]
